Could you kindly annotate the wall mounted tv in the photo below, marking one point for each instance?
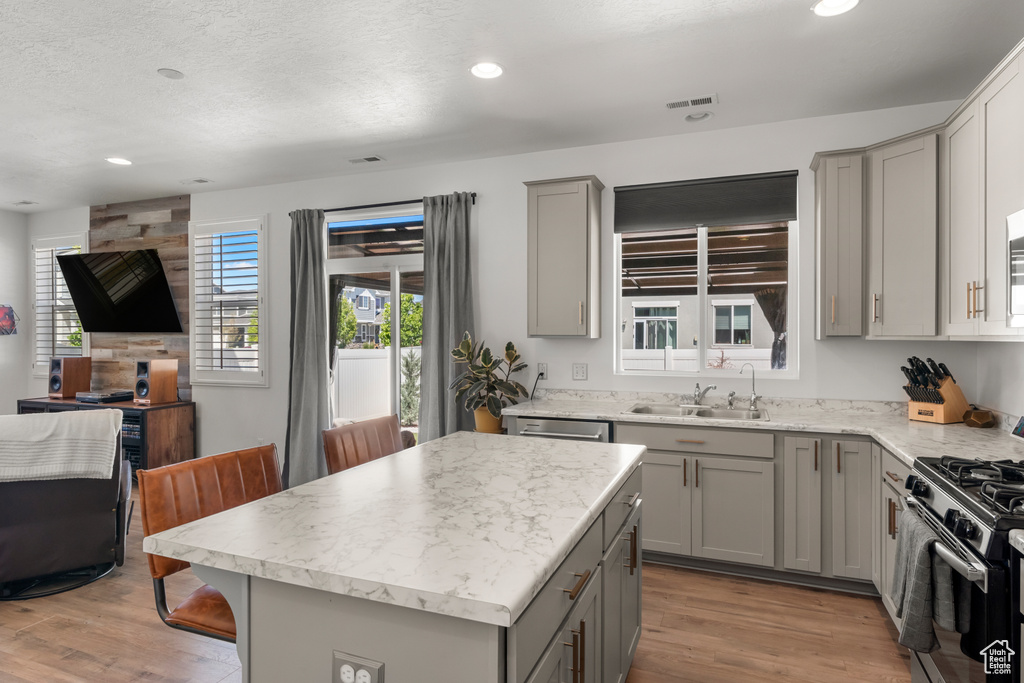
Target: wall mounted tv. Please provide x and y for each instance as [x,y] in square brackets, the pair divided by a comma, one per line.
[120,291]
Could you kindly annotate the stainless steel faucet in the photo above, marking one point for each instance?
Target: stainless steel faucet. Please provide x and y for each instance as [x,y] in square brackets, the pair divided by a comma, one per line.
[753,386]
[731,398]
[699,394]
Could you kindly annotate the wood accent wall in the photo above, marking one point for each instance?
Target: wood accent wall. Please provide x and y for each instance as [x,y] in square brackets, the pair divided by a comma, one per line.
[160,224]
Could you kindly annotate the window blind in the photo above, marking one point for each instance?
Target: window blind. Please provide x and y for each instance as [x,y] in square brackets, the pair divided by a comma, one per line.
[225,321]
[58,331]
[729,200]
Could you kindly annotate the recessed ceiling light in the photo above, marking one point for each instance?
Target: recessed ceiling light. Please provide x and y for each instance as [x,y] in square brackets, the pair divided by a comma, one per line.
[119,161]
[172,74]
[486,70]
[830,8]
[699,116]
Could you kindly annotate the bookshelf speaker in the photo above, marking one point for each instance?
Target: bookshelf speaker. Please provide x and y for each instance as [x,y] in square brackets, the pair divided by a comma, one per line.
[68,376]
[156,381]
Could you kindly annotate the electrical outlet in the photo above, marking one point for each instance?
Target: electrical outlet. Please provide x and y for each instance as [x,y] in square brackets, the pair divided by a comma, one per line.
[579,370]
[351,669]
[542,370]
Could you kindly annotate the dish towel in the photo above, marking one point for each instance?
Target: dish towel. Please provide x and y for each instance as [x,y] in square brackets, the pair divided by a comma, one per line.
[66,445]
[912,590]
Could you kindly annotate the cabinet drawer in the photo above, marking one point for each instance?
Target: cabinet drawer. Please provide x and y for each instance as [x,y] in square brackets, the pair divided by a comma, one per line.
[894,472]
[621,505]
[530,635]
[698,440]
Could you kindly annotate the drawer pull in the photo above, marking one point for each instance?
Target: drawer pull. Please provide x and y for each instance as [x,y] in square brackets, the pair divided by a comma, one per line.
[893,476]
[575,590]
[632,499]
[632,549]
[689,441]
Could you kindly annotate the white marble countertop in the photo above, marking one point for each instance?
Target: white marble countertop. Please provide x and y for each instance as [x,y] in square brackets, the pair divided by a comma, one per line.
[886,423]
[470,526]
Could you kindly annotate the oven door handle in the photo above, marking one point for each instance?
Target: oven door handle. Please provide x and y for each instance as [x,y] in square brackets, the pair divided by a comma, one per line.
[968,570]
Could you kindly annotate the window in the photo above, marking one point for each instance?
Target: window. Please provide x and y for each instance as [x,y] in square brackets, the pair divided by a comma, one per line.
[58,332]
[704,274]
[375,260]
[732,324]
[227,302]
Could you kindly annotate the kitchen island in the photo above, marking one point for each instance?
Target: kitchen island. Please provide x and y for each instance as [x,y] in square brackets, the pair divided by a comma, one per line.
[425,560]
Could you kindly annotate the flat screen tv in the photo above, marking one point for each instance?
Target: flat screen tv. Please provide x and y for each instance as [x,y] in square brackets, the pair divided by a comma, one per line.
[120,291]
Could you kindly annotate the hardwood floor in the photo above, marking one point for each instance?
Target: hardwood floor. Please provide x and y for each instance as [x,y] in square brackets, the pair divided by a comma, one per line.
[696,627]
[705,627]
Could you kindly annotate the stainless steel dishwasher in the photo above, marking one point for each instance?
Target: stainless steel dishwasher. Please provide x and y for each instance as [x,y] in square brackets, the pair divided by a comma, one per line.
[576,430]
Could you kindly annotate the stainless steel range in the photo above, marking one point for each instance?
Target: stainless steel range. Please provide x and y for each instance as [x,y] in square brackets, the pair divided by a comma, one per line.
[972,505]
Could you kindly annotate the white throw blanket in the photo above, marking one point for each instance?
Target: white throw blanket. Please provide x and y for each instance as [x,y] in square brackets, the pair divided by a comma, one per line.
[66,445]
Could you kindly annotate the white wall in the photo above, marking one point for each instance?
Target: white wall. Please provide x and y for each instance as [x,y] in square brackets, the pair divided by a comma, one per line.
[853,369]
[14,279]
[1000,383]
[48,224]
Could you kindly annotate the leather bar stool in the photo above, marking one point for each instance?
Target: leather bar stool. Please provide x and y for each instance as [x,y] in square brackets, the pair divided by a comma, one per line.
[360,442]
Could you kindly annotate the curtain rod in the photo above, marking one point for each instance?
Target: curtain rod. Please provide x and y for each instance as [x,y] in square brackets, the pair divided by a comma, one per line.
[379,206]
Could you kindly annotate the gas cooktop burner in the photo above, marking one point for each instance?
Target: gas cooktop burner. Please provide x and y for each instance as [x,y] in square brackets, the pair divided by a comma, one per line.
[966,473]
[1008,498]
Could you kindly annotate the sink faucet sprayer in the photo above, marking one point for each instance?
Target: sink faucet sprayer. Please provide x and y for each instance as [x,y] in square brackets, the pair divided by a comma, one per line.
[699,394]
[753,386]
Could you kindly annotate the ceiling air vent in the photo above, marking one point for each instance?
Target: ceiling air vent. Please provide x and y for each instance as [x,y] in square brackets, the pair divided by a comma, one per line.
[689,103]
[23,202]
[366,160]
[195,181]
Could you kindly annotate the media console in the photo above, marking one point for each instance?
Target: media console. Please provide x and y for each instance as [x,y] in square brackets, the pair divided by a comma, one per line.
[151,435]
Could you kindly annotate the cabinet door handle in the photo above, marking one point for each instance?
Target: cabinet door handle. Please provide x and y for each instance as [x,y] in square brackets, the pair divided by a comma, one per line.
[976,309]
[581,313]
[874,308]
[632,549]
[815,456]
[583,651]
[892,516]
[893,476]
[575,590]
[698,441]
[969,312]
[684,472]
[839,461]
[696,473]
[833,309]
[574,664]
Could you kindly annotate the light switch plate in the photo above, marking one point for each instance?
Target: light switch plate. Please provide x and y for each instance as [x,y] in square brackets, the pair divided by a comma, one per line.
[348,668]
[579,370]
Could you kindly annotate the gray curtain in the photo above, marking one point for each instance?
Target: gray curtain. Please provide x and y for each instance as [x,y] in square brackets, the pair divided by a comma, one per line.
[447,310]
[308,396]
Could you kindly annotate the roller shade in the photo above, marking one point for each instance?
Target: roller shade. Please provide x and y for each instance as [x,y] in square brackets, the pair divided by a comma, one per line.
[729,200]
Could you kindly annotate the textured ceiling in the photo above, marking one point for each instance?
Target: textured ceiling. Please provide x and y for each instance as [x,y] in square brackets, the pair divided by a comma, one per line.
[279,91]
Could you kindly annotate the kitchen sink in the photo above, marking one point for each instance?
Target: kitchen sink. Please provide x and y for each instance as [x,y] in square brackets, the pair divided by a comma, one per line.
[676,410]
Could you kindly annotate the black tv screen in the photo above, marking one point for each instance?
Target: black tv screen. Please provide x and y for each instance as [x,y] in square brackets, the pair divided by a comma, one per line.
[120,291]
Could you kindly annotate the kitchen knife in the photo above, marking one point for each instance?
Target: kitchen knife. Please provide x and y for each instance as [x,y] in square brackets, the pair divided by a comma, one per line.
[911,377]
[924,371]
[949,374]
[936,370]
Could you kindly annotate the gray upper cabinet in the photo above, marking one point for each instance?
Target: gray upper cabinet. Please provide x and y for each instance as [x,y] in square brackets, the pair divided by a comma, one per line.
[1001,110]
[802,468]
[563,257]
[903,238]
[854,489]
[963,221]
[839,216]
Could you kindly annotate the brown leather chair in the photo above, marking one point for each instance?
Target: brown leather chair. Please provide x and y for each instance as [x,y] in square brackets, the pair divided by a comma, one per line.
[360,442]
[187,491]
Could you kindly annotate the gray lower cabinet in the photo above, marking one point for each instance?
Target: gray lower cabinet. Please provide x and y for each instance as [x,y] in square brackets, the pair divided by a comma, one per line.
[621,571]
[892,488]
[574,654]
[854,488]
[667,502]
[733,510]
[801,530]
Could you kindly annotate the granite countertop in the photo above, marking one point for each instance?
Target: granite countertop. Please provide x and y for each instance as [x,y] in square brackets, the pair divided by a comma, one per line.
[885,422]
[471,525]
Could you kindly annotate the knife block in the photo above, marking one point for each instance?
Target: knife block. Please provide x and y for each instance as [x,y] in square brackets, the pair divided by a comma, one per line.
[941,413]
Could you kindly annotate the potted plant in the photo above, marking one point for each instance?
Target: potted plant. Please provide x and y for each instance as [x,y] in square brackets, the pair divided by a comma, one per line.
[486,385]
